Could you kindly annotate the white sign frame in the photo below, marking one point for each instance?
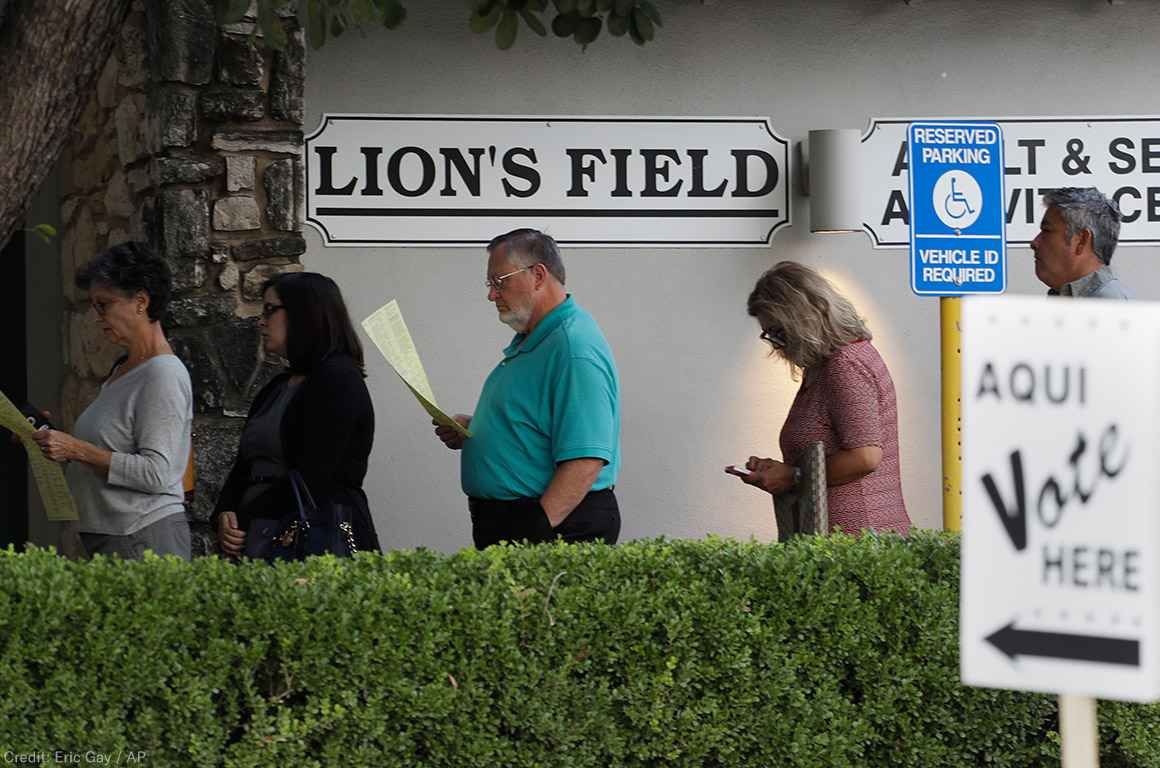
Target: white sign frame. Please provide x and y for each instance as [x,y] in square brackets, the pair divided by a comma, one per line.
[883,137]
[732,220]
[1063,597]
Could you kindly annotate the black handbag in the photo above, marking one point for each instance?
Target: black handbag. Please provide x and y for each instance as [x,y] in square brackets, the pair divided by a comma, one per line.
[306,530]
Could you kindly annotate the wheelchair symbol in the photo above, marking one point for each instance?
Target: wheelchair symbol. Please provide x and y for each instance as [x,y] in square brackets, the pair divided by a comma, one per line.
[957,199]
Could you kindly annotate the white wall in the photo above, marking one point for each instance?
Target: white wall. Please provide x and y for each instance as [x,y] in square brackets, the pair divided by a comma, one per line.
[698,391]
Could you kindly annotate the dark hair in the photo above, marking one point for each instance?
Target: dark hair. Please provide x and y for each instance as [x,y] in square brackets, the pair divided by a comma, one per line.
[317,323]
[531,246]
[128,268]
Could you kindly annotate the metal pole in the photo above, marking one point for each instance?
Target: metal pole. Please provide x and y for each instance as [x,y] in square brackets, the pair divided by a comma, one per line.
[1079,730]
[950,315]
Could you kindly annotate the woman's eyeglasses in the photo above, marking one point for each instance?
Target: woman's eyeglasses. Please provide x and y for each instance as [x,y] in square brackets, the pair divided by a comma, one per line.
[775,336]
[268,310]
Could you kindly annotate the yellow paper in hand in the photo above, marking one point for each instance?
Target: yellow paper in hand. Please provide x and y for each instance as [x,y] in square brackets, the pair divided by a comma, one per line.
[388,331]
[58,502]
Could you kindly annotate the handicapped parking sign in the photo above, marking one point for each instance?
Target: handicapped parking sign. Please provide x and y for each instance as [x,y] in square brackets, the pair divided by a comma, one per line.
[958,239]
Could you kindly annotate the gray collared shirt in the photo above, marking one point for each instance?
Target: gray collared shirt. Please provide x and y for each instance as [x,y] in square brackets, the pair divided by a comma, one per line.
[1101,284]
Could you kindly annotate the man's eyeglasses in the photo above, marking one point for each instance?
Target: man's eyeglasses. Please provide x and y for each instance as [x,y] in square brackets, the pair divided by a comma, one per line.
[775,336]
[496,283]
[268,310]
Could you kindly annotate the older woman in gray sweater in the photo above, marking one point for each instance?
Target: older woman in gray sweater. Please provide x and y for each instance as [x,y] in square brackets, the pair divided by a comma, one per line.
[128,450]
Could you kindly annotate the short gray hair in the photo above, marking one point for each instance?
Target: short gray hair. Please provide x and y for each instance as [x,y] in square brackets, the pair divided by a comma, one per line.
[1088,208]
[531,246]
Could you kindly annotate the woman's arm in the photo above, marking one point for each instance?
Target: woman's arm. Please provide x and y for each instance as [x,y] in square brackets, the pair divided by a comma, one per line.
[852,399]
[162,421]
[335,407]
[61,446]
[847,466]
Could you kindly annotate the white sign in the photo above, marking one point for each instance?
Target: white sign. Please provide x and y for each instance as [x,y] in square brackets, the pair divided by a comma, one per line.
[1118,155]
[419,180]
[1060,586]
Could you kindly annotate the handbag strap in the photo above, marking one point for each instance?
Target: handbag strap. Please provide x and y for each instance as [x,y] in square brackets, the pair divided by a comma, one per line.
[298,485]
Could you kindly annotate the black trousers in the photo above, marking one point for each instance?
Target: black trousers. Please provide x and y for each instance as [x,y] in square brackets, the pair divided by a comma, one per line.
[595,518]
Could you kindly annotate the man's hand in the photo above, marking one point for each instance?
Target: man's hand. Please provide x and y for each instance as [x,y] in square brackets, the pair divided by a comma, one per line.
[450,437]
[570,484]
[231,538]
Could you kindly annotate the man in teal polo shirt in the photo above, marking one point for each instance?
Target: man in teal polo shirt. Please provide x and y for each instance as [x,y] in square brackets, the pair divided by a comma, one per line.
[545,447]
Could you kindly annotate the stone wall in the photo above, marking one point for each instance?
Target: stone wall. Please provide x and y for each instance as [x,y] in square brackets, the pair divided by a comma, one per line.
[193,143]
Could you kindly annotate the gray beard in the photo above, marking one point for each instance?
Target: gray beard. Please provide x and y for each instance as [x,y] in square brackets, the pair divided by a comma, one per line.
[517,321]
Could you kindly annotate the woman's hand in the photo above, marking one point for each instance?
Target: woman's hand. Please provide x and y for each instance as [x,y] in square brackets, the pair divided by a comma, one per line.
[767,474]
[58,446]
[230,538]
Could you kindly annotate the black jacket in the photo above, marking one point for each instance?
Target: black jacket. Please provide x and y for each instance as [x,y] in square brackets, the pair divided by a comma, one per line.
[327,433]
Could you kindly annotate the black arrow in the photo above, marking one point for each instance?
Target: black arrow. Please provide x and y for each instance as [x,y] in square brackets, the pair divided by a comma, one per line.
[1057,645]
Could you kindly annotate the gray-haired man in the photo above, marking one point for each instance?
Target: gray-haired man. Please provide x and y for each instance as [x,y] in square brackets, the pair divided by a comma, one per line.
[1076,240]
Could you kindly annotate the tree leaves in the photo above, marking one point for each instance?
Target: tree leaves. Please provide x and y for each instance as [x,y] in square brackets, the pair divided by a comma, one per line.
[505,33]
[44,231]
[480,24]
[394,14]
[582,20]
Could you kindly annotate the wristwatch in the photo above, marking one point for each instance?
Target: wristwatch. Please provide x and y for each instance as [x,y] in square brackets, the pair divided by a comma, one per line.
[797,476]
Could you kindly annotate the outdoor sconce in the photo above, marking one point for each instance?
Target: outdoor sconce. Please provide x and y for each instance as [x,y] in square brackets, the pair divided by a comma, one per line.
[834,180]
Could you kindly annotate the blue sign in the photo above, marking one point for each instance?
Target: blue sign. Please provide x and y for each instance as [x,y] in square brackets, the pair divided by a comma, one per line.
[958,237]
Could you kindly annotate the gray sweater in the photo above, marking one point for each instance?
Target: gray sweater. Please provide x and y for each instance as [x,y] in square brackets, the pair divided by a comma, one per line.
[145,418]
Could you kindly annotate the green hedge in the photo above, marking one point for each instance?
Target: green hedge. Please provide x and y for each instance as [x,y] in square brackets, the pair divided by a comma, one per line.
[824,652]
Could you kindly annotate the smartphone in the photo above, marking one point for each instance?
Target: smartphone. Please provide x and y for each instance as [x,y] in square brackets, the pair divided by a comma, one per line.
[737,469]
[35,417]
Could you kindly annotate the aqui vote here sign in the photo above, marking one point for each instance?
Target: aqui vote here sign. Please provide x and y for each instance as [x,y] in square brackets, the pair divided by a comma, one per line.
[958,232]
[1061,447]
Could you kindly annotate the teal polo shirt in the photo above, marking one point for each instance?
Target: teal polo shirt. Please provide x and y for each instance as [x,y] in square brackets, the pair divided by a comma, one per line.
[555,396]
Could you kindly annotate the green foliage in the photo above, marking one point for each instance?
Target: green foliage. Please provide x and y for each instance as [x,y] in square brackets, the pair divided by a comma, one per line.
[44,231]
[582,20]
[826,652]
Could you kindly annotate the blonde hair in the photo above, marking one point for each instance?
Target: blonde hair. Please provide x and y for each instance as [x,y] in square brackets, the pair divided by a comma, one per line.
[815,318]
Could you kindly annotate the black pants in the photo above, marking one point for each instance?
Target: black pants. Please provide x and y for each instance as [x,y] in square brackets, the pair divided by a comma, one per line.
[595,518]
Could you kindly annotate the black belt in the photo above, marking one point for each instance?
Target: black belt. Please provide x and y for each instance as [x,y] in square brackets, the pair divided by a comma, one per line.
[500,506]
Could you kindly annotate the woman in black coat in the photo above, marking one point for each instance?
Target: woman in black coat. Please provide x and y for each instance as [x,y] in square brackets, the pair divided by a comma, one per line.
[315,418]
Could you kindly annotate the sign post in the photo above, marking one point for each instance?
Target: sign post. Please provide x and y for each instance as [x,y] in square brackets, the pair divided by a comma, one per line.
[1060,586]
[957,246]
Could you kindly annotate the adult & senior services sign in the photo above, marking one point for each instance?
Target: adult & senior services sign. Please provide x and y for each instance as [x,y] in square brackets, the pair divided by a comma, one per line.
[446,180]
[1119,155]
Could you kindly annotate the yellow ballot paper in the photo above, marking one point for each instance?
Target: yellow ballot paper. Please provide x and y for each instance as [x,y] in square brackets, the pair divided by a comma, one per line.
[58,502]
[389,333]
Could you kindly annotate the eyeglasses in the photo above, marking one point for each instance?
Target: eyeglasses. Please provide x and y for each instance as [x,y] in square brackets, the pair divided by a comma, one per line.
[776,337]
[496,283]
[101,307]
[268,310]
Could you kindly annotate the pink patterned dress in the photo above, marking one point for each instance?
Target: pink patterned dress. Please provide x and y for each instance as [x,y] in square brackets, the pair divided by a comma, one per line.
[849,403]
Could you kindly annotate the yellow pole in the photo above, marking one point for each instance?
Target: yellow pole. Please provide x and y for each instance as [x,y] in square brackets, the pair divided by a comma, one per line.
[950,315]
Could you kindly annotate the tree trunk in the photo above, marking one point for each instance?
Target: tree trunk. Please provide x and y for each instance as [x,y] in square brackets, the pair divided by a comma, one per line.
[51,53]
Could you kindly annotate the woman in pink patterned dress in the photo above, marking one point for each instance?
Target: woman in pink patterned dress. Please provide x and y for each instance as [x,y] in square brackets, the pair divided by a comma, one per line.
[846,401]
